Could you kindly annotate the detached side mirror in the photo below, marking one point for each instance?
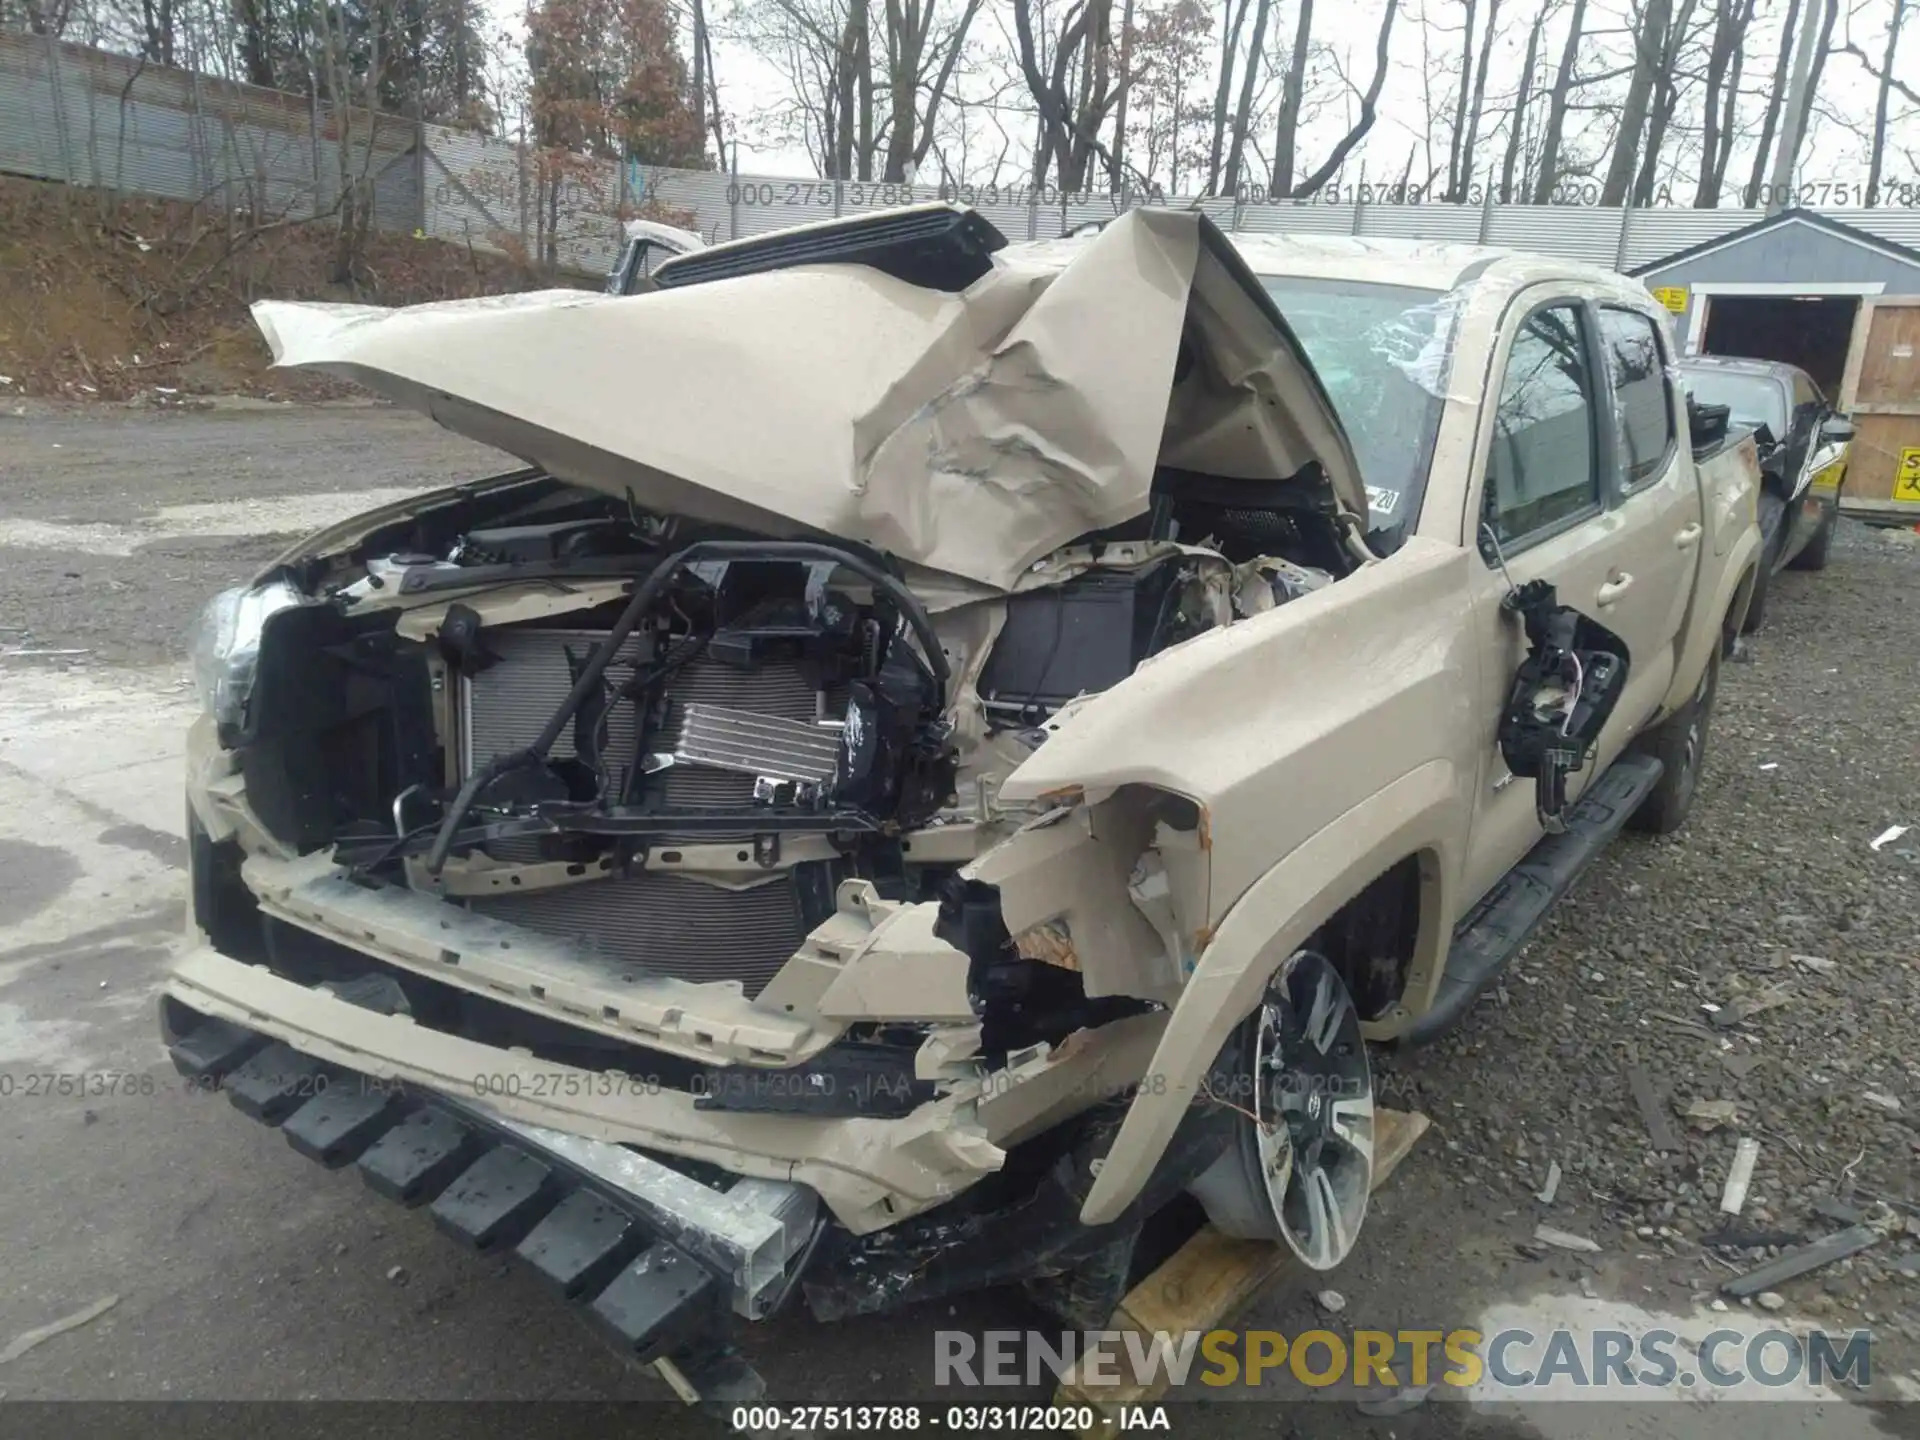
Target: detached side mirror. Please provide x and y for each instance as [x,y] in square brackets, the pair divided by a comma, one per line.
[1837,430]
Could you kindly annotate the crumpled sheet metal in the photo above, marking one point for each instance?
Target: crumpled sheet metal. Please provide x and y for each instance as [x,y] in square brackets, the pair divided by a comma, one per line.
[968,434]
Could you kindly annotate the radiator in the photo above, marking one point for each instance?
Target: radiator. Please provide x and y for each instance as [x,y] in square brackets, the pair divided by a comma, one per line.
[669,924]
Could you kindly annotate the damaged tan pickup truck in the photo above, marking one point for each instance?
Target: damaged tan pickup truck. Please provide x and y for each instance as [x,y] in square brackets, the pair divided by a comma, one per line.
[949,751]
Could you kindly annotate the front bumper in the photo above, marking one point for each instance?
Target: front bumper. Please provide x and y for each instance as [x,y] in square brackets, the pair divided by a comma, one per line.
[656,1261]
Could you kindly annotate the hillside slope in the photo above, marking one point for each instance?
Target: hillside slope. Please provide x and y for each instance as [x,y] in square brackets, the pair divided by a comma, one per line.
[128,298]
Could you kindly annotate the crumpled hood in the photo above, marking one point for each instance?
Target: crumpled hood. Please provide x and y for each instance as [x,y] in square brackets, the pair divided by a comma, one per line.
[970,433]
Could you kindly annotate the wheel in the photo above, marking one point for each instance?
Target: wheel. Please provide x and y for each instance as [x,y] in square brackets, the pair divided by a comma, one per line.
[1773,534]
[1680,744]
[1300,1165]
[1814,555]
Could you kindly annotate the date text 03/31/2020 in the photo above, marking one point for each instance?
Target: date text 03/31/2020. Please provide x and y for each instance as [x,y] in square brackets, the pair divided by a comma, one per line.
[958,1419]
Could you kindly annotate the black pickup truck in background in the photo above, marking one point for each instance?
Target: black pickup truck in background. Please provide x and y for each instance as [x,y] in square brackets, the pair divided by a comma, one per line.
[1804,443]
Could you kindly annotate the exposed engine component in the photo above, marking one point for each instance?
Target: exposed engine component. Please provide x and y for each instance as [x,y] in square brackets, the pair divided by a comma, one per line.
[671,923]
[558,540]
[753,606]
[1087,635]
[773,750]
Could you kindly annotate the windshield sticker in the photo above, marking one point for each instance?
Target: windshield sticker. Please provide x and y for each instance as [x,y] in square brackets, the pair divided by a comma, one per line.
[1382,501]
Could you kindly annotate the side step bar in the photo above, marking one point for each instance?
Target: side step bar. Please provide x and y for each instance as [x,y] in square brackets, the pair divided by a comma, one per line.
[1510,912]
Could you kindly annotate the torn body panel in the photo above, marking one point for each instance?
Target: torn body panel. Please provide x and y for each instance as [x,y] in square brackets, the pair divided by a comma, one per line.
[969,433]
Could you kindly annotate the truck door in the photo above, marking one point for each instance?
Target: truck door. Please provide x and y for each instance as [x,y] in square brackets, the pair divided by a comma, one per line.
[1656,498]
[1543,511]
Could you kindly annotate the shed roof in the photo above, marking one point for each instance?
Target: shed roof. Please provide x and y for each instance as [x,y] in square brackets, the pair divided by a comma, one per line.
[1853,234]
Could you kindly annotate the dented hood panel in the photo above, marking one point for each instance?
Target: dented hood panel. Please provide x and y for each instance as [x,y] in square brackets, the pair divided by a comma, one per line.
[969,433]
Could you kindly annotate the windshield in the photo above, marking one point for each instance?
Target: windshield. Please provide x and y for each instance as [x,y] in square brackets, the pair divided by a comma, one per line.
[1752,399]
[1376,348]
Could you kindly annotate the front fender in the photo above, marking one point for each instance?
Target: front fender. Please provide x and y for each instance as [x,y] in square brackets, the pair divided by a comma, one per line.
[1414,815]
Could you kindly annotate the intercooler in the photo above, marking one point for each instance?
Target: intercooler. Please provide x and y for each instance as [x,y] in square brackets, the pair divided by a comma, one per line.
[671,924]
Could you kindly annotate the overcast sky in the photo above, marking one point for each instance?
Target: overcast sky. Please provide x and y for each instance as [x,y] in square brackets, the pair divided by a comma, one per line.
[1425,40]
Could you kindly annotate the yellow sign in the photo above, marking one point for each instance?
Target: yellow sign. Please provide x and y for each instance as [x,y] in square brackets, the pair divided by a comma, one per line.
[1906,480]
[1674,297]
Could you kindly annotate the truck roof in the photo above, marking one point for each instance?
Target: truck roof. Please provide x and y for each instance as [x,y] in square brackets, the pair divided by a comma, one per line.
[1741,365]
[1423,264]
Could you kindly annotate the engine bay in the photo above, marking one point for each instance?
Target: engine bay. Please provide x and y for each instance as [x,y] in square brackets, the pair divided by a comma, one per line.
[695,736]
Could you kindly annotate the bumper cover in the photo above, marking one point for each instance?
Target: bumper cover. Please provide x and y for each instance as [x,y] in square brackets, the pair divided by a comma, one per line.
[655,1260]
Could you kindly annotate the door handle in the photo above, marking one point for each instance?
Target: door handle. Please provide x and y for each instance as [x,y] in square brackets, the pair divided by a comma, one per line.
[1686,539]
[1613,589]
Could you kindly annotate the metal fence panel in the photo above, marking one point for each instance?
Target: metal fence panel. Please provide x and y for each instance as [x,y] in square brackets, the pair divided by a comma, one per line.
[1294,217]
[93,117]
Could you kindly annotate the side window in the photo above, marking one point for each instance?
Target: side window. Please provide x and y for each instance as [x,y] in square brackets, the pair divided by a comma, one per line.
[1805,392]
[1642,409]
[1542,467]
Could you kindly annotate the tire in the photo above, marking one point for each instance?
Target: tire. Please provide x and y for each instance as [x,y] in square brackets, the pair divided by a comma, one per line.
[1680,744]
[1814,555]
[1300,1165]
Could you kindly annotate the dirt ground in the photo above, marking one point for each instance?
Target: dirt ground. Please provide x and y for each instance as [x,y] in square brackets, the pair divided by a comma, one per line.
[114,297]
[240,1271]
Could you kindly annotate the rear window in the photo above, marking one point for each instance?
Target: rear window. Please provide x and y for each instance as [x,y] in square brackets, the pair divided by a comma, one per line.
[1643,415]
[1752,399]
[1379,350]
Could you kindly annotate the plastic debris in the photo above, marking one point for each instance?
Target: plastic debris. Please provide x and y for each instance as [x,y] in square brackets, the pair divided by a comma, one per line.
[1819,964]
[1552,1187]
[1401,1402]
[1837,1246]
[1771,765]
[1881,1101]
[21,1344]
[1565,1240]
[1739,1176]
[1710,1114]
[1659,1128]
[1331,1301]
[1886,837]
[1772,1300]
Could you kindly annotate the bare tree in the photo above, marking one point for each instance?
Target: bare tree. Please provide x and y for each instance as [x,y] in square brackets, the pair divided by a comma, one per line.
[1456,187]
[1516,125]
[1809,59]
[1464,179]
[1075,93]
[1731,19]
[1234,16]
[1293,91]
[1558,101]
[1888,85]
[1666,98]
[1770,117]
[1288,139]
[920,62]
[1249,78]
[1649,48]
[818,47]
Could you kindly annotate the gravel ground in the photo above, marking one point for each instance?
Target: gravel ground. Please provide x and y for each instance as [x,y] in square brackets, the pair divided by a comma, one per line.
[1769,900]
[117,525]
[244,1272]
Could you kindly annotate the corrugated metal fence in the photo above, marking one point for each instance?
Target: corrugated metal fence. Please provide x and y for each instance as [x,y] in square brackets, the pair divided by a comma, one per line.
[476,185]
[94,118]
[91,117]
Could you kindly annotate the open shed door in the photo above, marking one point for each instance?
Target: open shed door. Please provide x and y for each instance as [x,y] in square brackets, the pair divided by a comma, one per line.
[1882,393]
